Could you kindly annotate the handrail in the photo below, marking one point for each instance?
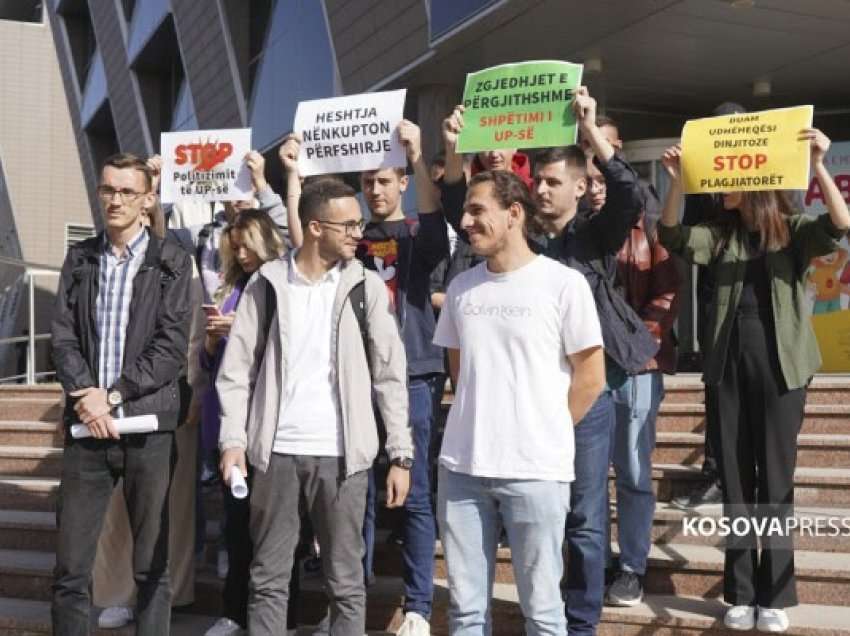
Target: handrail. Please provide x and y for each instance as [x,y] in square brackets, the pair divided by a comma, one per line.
[37,268]
[23,376]
[31,270]
[16,339]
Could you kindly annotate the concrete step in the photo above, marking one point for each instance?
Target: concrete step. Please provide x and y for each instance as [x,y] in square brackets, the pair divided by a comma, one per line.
[51,391]
[31,434]
[33,461]
[668,526]
[383,611]
[31,409]
[824,389]
[690,570]
[814,450]
[666,615]
[696,570]
[813,486]
[27,530]
[26,574]
[28,493]
[657,615]
[681,417]
[21,617]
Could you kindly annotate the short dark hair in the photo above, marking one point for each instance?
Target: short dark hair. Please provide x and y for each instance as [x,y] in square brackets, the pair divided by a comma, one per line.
[123,160]
[316,196]
[400,172]
[508,189]
[604,120]
[572,155]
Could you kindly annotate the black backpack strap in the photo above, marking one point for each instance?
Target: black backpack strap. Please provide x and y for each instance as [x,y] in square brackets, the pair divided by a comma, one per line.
[357,297]
[271,307]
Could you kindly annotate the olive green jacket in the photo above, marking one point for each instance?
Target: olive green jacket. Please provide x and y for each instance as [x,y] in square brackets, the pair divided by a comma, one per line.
[799,356]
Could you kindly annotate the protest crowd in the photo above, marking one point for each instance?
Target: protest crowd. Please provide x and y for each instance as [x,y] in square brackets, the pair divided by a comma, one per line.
[286,348]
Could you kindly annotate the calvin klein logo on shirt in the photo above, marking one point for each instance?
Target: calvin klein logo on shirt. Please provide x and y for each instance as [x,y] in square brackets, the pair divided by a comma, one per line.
[496,311]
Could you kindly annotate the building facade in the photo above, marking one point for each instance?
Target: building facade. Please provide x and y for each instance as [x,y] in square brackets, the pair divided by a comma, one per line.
[43,202]
[133,69]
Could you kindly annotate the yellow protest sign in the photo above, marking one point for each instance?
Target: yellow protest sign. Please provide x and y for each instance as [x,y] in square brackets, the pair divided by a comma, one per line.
[747,151]
[833,331]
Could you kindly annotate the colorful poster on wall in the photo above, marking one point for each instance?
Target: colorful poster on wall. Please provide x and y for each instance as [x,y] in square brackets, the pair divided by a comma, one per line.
[525,105]
[747,151]
[828,278]
[206,165]
[351,133]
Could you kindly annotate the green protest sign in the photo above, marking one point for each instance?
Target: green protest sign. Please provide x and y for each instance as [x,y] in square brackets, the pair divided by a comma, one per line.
[525,105]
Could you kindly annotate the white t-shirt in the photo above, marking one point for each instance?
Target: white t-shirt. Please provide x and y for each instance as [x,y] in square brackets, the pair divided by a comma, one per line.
[310,422]
[510,418]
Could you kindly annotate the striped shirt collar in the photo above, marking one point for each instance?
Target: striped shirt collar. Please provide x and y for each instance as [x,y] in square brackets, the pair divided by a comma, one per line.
[135,245]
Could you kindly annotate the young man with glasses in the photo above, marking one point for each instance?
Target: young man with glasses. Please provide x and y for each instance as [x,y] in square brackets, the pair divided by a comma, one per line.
[404,251]
[296,386]
[120,336]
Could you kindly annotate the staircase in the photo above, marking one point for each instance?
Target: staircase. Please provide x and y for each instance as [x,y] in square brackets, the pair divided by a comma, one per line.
[683,583]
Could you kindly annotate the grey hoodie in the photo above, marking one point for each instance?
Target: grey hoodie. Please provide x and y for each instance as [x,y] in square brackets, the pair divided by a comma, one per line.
[252,374]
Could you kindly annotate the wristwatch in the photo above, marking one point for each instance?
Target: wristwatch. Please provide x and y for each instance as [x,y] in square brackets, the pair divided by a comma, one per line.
[403,462]
[113,398]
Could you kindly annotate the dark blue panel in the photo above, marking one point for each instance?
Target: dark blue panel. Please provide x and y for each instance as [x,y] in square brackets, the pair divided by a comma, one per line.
[296,65]
[146,19]
[184,113]
[447,14]
[94,93]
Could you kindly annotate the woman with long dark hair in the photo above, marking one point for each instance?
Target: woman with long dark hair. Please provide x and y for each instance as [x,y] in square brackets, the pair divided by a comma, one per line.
[761,356]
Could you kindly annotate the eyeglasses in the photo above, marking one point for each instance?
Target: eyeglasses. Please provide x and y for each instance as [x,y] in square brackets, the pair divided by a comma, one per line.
[124,194]
[348,226]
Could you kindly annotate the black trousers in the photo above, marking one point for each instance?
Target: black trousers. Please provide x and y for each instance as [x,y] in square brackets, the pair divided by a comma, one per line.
[90,468]
[709,464]
[756,439]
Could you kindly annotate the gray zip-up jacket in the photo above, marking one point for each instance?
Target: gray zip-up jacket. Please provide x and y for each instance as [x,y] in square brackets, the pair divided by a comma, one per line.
[253,373]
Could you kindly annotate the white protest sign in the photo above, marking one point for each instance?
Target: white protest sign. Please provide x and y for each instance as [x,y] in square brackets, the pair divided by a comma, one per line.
[206,165]
[351,133]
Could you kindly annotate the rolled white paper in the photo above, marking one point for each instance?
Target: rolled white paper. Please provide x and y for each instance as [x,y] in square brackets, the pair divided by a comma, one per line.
[238,487]
[124,426]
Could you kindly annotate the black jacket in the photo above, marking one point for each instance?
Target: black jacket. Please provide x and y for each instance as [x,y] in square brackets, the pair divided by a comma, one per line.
[155,349]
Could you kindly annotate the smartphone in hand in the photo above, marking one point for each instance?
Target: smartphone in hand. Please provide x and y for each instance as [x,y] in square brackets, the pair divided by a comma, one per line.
[211,311]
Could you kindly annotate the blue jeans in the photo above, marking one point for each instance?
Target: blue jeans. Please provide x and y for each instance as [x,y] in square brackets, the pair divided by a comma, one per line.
[472,511]
[420,532]
[633,438]
[587,522]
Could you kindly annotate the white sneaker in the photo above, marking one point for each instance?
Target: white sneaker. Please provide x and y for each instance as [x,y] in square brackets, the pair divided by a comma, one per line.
[772,620]
[224,627]
[740,617]
[414,625]
[115,617]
